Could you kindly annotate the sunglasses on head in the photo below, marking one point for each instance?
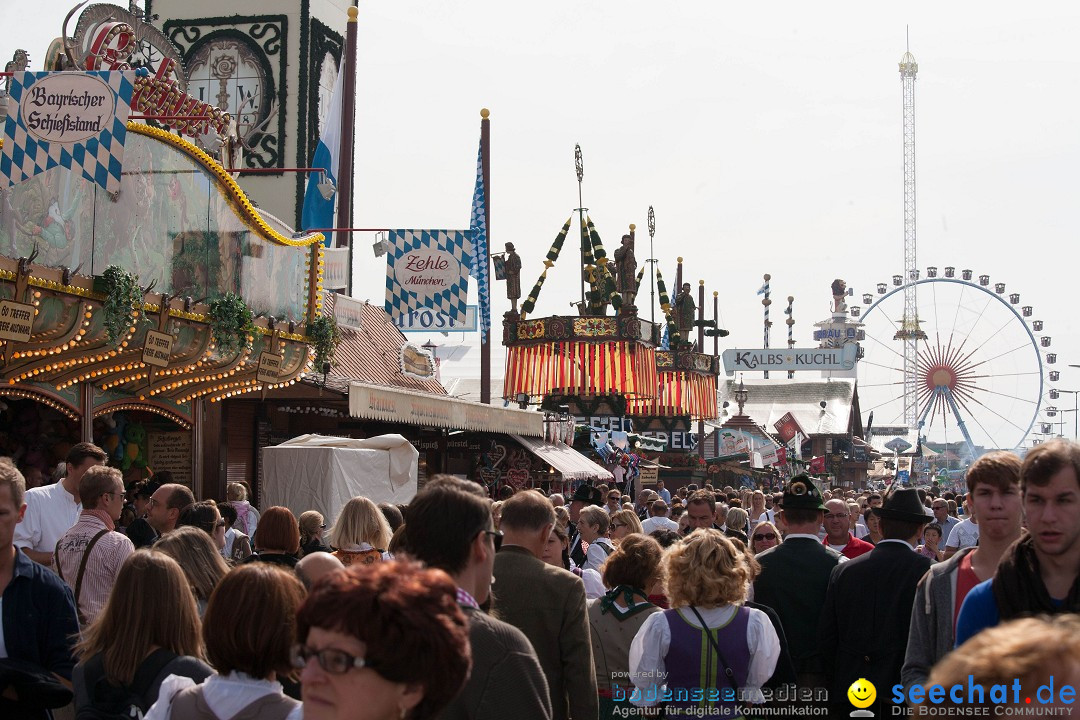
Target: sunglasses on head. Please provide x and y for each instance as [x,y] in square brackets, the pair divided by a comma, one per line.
[765,536]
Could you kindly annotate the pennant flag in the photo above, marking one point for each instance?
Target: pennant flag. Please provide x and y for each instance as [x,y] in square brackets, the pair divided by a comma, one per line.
[478,230]
[763,289]
[428,269]
[74,120]
[320,198]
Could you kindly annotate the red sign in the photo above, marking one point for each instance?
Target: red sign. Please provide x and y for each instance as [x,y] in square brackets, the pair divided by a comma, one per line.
[787,426]
[817,465]
[781,455]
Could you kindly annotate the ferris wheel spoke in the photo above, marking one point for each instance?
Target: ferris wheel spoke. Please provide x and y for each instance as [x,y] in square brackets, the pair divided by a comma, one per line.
[886,367]
[883,404]
[1001,375]
[1006,395]
[995,412]
[978,318]
[975,419]
[887,346]
[991,337]
[996,357]
[888,384]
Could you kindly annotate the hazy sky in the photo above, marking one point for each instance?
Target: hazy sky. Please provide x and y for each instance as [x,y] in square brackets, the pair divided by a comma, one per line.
[766,135]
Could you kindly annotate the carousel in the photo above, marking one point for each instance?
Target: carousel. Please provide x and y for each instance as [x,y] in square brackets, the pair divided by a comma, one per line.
[608,364]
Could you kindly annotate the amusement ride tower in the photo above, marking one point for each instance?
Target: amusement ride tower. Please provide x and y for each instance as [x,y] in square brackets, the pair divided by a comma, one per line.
[910,332]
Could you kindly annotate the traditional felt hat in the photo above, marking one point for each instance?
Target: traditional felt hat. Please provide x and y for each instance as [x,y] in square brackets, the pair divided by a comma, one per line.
[802,494]
[902,504]
[587,494]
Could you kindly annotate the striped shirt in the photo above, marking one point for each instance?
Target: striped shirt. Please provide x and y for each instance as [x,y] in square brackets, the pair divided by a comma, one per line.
[104,562]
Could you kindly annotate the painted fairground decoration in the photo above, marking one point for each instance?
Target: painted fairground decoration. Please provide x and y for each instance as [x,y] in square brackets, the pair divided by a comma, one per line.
[163,289]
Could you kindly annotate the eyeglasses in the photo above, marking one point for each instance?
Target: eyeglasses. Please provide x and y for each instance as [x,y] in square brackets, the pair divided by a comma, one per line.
[765,536]
[616,526]
[335,662]
[219,524]
[496,536]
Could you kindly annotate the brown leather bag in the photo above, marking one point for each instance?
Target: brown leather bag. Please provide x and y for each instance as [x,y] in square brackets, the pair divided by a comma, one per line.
[189,704]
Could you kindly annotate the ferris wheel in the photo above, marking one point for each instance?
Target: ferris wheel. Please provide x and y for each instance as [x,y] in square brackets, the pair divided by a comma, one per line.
[981,371]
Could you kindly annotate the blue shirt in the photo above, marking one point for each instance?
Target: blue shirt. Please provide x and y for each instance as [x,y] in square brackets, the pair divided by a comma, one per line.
[665,495]
[39,620]
[980,611]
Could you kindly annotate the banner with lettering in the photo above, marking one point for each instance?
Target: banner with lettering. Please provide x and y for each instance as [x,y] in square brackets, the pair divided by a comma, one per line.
[428,269]
[75,120]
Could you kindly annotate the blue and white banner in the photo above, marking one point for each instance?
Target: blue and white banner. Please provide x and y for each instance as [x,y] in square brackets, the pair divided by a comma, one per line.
[74,120]
[320,198]
[478,228]
[428,269]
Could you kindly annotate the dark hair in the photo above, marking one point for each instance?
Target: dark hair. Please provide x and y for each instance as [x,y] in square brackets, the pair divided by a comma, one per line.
[202,515]
[899,529]
[445,518]
[635,562]
[228,513]
[406,616]
[250,621]
[278,530]
[527,511]
[393,515]
[799,516]
[666,538]
[96,483]
[699,497]
[80,451]
[999,469]
[144,489]
[933,526]
[1045,460]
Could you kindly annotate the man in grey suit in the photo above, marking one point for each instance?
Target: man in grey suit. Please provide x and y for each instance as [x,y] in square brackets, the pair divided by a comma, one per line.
[547,604]
[450,528]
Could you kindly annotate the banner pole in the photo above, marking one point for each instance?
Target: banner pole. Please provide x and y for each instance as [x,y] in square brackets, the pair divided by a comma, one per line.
[485,344]
[348,136]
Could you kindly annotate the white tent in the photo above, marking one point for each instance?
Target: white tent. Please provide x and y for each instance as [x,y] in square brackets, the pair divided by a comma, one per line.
[316,472]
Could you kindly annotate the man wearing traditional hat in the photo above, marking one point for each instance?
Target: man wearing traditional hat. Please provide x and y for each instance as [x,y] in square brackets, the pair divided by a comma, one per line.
[584,496]
[795,575]
[867,613]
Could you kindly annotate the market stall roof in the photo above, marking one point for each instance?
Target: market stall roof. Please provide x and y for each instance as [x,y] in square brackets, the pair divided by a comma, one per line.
[376,402]
[769,400]
[565,459]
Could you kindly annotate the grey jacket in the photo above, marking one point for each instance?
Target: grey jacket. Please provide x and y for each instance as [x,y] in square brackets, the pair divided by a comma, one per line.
[932,633]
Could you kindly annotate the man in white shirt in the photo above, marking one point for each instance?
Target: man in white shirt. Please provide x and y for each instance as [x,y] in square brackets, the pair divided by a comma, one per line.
[965,534]
[658,519]
[52,510]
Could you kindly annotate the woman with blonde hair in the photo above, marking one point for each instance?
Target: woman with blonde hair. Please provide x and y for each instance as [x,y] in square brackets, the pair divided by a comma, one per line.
[708,640]
[148,630]
[764,536]
[361,534]
[312,525]
[735,525]
[198,558]
[623,523]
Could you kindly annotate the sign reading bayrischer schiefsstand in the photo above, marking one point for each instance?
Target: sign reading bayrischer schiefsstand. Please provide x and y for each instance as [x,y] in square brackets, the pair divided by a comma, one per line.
[74,120]
[842,358]
[16,321]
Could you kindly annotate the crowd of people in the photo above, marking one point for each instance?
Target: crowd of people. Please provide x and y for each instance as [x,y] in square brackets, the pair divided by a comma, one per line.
[706,602]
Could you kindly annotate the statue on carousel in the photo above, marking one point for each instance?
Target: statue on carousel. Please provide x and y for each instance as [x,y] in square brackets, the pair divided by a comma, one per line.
[626,270]
[685,312]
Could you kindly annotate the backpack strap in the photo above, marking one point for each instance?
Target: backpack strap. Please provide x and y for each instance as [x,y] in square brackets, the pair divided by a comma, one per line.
[148,671]
[82,568]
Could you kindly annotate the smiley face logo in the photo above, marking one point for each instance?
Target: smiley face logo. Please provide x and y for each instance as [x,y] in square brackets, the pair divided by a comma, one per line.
[862,693]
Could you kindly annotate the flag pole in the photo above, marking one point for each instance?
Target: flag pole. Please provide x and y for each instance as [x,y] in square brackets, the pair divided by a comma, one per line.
[348,132]
[485,343]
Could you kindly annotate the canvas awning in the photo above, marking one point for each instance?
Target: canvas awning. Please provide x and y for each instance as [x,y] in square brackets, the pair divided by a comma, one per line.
[376,402]
[571,464]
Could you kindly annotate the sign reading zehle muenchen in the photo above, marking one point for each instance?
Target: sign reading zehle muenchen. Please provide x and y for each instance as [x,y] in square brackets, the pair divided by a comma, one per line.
[841,358]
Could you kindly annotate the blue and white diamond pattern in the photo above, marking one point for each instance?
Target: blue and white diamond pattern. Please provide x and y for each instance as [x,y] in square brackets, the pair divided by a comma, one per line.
[478,228]
[99,159]
[452,300]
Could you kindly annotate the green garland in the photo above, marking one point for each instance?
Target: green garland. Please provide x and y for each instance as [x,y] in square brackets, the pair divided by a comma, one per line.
[123,298]
[552,256]
[231,323]
[324,331]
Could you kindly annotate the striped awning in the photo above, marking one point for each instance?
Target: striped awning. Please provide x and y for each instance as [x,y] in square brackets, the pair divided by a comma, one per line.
[581,368]
[680,393]
[567,461]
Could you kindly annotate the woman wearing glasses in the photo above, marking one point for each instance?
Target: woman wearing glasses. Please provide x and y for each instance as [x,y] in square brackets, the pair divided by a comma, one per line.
[385,641]
[623,523]
[764,536]
[249,630]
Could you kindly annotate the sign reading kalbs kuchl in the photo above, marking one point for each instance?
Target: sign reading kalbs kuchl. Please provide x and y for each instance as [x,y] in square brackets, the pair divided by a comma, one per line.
[842,358]
[74,120]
